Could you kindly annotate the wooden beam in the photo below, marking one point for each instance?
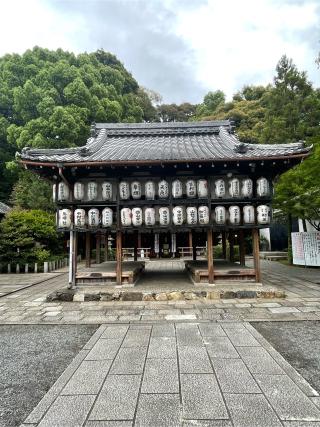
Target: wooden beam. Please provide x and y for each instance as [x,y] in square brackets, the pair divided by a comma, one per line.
[88,249]
[242,248]
[98,248]
[210,256]
[224,245]
[256,254]
[119,258]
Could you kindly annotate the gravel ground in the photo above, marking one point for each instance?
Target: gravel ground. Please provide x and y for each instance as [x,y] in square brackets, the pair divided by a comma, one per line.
[298,343]
[32,357]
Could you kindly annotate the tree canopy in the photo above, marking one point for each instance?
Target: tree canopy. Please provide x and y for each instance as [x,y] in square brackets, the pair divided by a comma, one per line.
[48,99]
[28,236]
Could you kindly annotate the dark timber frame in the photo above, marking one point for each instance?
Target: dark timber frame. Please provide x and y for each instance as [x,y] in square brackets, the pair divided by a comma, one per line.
[164,151]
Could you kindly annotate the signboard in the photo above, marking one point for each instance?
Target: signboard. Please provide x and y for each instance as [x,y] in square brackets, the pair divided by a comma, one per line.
[306,249]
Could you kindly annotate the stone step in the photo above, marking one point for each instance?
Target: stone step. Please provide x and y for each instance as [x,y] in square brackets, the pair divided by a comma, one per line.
[217,292]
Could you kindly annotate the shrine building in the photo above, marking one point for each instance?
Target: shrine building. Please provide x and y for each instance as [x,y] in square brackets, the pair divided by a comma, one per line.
[155,190]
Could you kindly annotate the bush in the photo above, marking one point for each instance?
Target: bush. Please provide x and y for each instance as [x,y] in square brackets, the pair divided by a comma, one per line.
[28,236]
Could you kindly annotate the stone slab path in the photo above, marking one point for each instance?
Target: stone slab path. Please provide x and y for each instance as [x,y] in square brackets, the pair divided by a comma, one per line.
[178,374]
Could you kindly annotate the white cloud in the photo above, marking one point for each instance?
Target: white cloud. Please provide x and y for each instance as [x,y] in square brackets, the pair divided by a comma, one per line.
[25,24]
[239,42]
[219,44]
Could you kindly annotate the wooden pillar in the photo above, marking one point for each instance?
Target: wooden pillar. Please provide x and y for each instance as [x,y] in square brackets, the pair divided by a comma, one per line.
[98,244]
[119,258]
[136,244]
[256,254]
[190,242]
[224,245]
[88,249]
[106,247]
[242,248]
[194,247]
[210,256]
[231,246]
[72,260]
[76,243]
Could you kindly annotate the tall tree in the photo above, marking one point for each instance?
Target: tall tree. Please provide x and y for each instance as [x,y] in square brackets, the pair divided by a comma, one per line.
[48,99]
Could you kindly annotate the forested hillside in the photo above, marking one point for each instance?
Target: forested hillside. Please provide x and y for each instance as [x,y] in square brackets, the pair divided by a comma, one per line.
[49,98]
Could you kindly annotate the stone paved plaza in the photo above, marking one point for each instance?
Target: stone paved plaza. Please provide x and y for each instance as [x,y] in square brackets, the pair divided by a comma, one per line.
[29,305]
[174,363]
[178,374]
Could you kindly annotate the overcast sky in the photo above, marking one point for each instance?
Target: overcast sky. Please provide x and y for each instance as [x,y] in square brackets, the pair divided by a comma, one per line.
[179,48]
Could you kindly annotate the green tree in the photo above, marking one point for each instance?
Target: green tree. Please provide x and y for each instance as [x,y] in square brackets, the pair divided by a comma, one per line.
[297,193]
[32,192]
[292,107]
[26,234]
[48,99]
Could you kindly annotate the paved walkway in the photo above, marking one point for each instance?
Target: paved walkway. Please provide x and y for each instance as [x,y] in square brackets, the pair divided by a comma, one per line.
[183,374]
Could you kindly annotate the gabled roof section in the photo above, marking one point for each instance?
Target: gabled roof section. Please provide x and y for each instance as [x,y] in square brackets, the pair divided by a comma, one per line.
[122,143]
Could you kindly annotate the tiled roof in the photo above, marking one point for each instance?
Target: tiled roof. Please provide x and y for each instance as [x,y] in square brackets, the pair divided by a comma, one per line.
[149,142]
[4,208]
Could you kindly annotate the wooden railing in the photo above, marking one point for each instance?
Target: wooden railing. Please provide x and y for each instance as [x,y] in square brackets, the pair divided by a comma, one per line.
[128,253]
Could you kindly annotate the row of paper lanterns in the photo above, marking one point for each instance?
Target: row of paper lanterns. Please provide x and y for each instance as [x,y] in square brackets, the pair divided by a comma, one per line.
[180,215]
[236,188]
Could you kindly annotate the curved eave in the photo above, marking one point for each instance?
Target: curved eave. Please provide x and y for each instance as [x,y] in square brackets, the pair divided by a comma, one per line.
[298,156]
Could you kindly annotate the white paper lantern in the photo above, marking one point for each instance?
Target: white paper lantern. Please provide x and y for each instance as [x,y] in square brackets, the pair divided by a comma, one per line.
[246,187]
[64,218]
[164,216]
[107,217]
[178,215]
[234,215]
[263,187]
[234,187]
[54,187]
[136,190]
[93,217]
[263,214]
[92,190]
[78,191]
[136,217]
[150,216]
[248,214]
[220,215]
[177,190]
[79,218]
[192,215]
[191,188]
[203,215]
[220,188]
[150,190]
[202,188]
[126,217]
[163,189]
[106,190]
[124,190]
[63,192]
